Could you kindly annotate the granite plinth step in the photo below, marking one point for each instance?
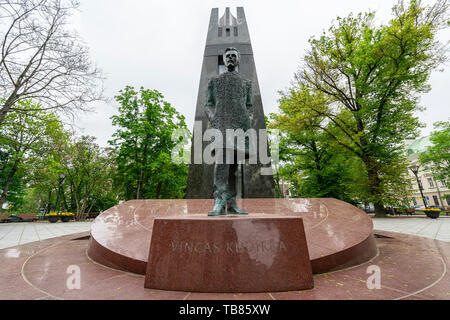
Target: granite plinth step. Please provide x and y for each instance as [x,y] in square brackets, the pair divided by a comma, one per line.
[229,254]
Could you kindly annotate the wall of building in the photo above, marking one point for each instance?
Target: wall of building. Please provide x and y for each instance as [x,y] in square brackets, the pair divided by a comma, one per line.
[432,190]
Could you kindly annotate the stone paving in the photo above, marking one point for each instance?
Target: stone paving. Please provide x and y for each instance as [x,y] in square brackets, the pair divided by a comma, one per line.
[438,229]
[14,234]
[18,233]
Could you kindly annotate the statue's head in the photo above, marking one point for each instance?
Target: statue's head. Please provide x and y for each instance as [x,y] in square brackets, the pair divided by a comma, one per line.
[231,58]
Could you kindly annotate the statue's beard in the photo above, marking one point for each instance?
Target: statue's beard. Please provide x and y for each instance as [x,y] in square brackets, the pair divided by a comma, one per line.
[231,64]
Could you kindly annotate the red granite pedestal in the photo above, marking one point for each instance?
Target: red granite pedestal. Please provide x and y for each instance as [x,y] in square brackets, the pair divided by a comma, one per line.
[229,254]
[338,235]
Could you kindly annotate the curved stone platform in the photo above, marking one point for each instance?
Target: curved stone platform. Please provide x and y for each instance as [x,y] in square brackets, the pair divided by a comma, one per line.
[338,234]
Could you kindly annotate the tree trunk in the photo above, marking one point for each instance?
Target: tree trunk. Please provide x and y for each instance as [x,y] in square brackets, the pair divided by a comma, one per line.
[142,173]
[83,208]
[380,211]
[63,201]
[280,191]
[139,189]
[49,203]
[8,183]
[83,204]
[7,106]
[90,208]
[374,180]
[77,202]
[72,197]
[158,190]
[374,188]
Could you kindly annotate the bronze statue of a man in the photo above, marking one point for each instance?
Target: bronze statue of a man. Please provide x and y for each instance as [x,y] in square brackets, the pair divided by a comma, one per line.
[228,106]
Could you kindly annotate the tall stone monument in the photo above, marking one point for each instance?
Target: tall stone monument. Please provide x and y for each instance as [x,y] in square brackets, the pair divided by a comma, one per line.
[254,180]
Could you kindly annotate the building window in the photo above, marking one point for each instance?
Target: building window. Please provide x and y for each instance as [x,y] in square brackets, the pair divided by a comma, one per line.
[448,200]
[419,182]
[414,201]
[431,182]
[443,184]
[235,31]
[436,201]
[220,32]
[227,31]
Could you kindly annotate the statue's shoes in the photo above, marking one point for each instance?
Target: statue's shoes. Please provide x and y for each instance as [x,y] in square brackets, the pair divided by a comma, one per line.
[216,213]
[235,210]
[219,208]
[243,213]
[232,208]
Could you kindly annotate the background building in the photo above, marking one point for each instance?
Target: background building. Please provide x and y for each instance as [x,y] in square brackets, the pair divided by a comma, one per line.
[432,190]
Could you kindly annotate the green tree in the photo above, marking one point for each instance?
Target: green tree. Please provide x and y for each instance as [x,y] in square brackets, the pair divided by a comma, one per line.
[143,145]
[16,189]
[372,77]
[43,177]
[314,164]
[87,171]
[25,137]
[437,156]
[88,174]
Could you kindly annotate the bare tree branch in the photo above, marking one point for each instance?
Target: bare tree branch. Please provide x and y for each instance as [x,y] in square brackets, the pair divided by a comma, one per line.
[42,59]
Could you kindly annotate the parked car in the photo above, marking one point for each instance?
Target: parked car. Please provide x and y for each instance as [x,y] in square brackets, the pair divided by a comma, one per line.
[14,218]
[367,209]
[419,208]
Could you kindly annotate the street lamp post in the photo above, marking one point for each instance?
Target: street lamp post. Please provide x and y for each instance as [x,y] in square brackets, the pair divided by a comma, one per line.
[62,176]
[415,170]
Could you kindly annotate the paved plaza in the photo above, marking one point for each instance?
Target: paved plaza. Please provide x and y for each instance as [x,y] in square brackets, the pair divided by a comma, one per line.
[35,258]
[412,268]
[438,229]
[18,233]
[13,234]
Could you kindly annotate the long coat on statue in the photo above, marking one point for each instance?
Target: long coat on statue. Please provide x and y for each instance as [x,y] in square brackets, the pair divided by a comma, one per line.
[229,105]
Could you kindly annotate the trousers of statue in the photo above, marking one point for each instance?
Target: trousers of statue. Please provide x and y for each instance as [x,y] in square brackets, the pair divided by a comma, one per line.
[225,176]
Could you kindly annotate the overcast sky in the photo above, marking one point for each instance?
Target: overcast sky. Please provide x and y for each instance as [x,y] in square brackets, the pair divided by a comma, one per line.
[159,44]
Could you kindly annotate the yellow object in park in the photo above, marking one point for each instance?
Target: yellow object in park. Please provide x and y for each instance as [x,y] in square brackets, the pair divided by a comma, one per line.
[60,214]
[431,210]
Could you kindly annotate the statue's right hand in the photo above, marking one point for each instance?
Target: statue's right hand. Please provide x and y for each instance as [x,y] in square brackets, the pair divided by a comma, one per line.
[209,114]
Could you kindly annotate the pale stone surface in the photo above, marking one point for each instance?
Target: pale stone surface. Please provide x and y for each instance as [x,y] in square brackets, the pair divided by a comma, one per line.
[17,233]
[438,229]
